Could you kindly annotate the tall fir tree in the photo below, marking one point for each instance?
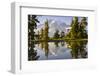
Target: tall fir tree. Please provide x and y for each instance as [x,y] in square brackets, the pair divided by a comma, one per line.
[32,24]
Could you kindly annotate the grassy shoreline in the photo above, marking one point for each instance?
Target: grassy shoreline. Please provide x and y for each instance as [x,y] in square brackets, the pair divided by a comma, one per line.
[59,40]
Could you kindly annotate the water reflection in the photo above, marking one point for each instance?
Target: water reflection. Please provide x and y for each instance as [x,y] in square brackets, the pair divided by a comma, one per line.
[32,53]
[78,49]
[58,50]
[56,43]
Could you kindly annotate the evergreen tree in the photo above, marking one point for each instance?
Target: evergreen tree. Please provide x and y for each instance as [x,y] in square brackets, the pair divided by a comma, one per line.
[75,29]
[83,31]
[41,35]
[62,34]
[56,34]
[78,29]
[32,24]
[46,28]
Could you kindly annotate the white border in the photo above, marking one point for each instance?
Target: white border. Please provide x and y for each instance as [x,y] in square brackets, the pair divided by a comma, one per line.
[19,64]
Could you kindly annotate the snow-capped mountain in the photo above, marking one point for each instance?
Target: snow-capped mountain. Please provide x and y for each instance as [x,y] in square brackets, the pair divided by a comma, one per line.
[53,26]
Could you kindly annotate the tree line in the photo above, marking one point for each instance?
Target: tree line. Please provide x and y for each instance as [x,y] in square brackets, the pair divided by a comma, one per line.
[78,31]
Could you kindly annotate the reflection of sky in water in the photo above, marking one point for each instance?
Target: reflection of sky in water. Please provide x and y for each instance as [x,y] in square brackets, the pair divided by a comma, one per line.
[61,52]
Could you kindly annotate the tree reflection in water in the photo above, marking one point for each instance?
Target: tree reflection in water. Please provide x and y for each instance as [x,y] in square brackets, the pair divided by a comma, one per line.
[46,49]
[78,49]
[62,43]
[32,53]
[56,44]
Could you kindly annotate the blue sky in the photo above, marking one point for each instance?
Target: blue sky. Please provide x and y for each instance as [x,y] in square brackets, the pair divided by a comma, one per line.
[64,19]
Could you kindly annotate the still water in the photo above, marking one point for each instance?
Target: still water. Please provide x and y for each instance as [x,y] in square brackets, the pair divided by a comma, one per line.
[60,50]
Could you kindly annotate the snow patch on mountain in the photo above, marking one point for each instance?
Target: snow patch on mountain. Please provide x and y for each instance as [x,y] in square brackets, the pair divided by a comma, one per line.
[53,26]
